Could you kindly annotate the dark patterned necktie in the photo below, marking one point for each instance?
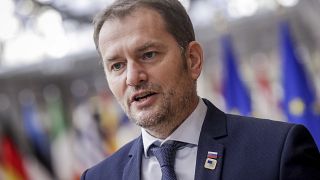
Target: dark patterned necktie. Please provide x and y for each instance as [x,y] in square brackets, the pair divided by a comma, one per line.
[166,157]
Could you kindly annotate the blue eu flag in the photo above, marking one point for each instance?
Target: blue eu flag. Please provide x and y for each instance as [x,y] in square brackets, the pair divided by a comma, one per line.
[299,97]
[235,93]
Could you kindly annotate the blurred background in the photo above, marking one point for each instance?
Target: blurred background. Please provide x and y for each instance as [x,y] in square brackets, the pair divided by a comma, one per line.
[57,116]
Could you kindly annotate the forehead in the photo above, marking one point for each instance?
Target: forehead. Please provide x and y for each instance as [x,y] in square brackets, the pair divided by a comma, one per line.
[141,24]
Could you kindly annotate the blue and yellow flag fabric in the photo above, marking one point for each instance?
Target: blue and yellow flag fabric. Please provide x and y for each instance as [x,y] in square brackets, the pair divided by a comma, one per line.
[299,97]
[236,95]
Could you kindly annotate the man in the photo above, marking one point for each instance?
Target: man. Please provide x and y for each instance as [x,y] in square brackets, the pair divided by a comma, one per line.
[152,62]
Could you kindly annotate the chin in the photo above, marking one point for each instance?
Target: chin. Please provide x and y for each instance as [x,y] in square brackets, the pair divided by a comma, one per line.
[147,119]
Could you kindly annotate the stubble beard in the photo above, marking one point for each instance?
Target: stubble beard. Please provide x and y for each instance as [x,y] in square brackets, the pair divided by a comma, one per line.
[159,114]
[170,111]
[151,116]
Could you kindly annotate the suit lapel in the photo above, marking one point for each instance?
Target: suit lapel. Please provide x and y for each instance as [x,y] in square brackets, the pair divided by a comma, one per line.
[213,128]
[132,169]
[206,173]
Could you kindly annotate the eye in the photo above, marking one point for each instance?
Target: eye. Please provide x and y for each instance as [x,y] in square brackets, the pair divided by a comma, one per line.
[117,66]
[149,55]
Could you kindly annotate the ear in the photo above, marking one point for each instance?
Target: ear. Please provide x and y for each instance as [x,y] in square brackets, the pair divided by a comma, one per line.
[194,59]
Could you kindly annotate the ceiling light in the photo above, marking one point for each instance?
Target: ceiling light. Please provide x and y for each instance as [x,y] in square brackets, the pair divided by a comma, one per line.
[288,3]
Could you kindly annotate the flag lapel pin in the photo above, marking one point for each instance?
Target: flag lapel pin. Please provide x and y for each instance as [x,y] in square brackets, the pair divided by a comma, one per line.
[211,161]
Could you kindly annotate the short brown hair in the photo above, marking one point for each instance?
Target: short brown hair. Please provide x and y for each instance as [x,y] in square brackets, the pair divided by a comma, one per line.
[176,19]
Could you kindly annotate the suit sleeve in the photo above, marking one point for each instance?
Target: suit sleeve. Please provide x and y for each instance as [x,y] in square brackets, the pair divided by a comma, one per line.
[300,158]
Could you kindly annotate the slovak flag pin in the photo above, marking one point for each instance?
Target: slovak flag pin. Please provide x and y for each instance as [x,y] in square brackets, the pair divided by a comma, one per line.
[212,155]
[211,161]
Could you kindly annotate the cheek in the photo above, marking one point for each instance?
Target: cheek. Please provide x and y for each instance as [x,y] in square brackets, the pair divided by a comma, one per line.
[167,71]
[173,75]
[116,87]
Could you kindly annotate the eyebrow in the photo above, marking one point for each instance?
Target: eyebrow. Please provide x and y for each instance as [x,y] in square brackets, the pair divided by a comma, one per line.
[148,45]
[140,49]
[111,59]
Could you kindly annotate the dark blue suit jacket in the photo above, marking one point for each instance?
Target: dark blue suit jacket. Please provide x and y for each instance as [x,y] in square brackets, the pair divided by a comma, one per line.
[248,149]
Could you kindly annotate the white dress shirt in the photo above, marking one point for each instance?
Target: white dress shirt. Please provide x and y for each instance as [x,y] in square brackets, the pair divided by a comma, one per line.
[185,162]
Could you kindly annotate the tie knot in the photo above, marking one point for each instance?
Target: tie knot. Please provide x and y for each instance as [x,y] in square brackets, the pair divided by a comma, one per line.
[166,153]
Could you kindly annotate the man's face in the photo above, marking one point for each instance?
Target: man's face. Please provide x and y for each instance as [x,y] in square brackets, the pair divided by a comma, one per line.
[145,68]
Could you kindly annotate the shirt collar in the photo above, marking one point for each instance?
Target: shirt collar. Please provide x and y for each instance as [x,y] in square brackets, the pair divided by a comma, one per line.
[188,131]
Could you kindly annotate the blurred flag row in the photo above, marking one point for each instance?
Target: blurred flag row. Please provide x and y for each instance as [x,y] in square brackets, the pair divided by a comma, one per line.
[299,102]
[60,147]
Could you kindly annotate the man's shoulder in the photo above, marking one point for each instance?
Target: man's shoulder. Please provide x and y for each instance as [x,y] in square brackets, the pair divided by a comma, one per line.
[258,125]
[264,132]
[254,121]
[113,165]
[245,127]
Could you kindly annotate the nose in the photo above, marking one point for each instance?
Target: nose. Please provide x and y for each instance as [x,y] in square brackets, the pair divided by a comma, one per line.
[135,74]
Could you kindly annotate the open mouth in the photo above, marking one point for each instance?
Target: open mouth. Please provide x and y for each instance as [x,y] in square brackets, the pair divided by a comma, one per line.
[143,96]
